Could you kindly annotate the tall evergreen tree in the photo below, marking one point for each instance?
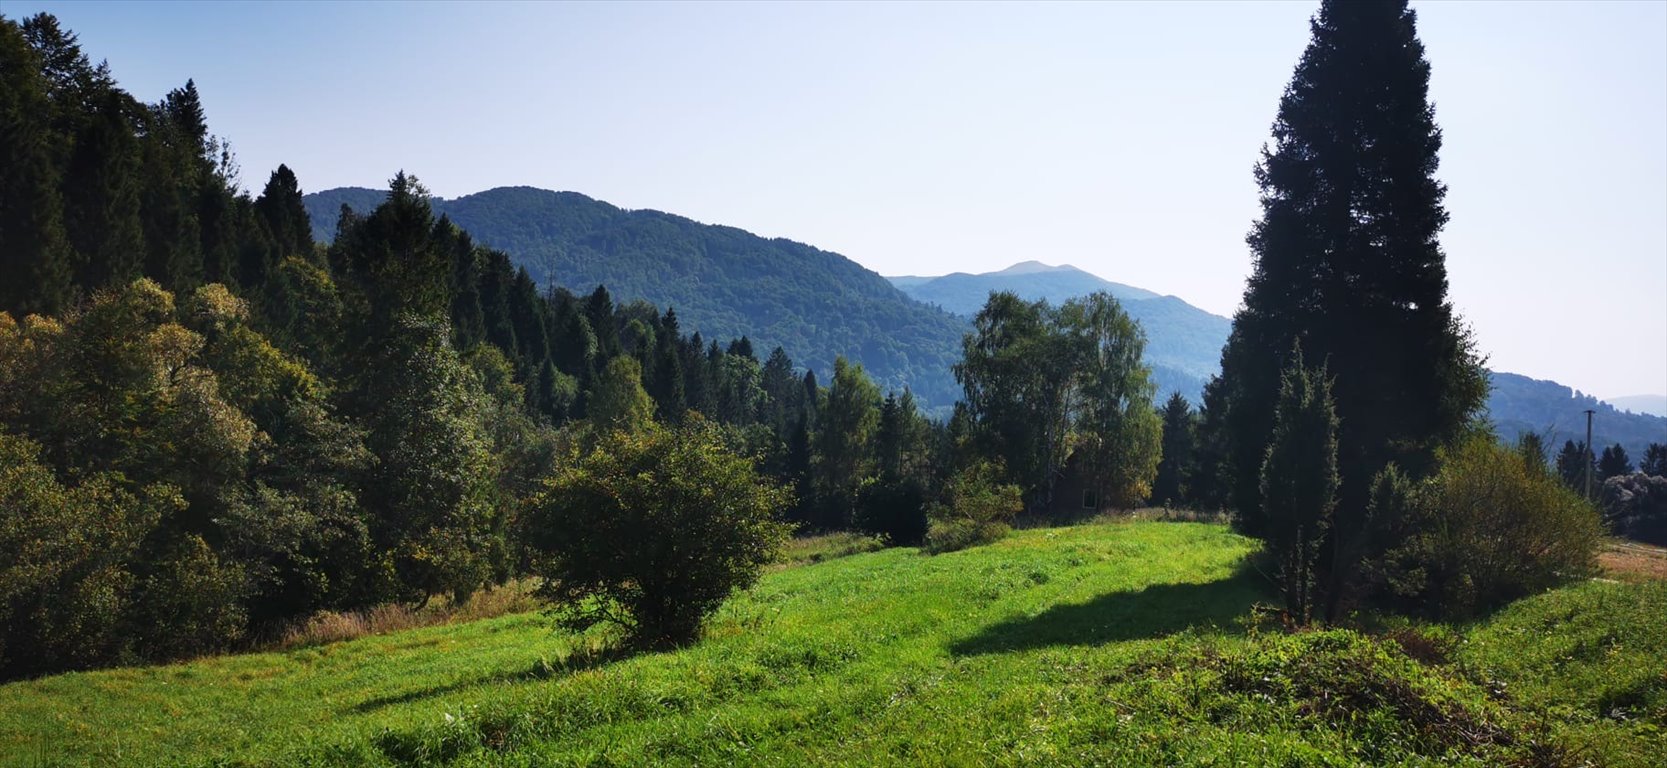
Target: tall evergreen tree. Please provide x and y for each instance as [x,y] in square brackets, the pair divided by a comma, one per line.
[1573,464]
[101,196]
[1613,462]
[1178,437]
[1299,480]
[1654,461]
[35,265]
[1347,262]
[286,218]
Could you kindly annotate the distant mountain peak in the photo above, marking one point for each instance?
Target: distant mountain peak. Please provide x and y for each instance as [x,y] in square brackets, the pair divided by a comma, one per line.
[1033,267]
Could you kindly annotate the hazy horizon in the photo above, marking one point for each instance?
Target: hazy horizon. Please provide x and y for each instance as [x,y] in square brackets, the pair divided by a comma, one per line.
[925,139]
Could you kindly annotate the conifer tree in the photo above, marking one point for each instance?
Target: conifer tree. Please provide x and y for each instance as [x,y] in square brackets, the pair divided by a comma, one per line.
[1613,463]
[1178,436]
[1348,262]
[286,218]
[35,268]
[1299,480]
[101,196]
[1573,462]
[1654,461]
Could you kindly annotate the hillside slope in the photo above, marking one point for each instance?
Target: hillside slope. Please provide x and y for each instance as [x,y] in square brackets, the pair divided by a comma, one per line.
[723,281]
[1519,404]
[1103,644]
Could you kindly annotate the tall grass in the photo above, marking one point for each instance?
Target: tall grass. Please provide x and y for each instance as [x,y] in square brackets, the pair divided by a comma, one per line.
[338,626]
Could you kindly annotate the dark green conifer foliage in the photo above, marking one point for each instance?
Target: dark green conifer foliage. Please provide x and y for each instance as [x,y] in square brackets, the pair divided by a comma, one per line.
[1178,439]
[599,310]
[742,347]
[101,196]
[1654,461]
[35,262]
[667,382]
[1349,264]
[1299,481]
[1614,462]
[391,257]
[286,219]
[1573,462]
[782,393]
[467,318]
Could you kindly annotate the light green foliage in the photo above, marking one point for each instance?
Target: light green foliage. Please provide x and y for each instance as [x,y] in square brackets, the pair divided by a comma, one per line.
[845,433]
[652,530]
[1045,385]
[977,509]
[618,401]
[1091,645]
[1117,434]
[1487,529]
[1300,481]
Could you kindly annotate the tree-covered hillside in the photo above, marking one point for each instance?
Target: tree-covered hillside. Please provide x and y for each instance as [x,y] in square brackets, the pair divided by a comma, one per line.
[1520,404]
[723,281]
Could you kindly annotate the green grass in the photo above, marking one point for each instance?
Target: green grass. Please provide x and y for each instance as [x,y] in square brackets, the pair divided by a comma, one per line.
[1109,644]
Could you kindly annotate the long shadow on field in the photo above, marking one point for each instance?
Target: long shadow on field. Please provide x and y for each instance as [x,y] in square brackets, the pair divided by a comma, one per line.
[542,669]
[1155,611]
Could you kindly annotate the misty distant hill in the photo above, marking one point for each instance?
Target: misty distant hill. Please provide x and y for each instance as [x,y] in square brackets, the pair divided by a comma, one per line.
[1183,342]
[1655,405]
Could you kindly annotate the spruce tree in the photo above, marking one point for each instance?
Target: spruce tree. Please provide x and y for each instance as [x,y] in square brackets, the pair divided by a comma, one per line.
[1178,437]
[1348,263]
[1573,462]
[1299,481]
[35,268]
[280,206]
[1654,461]
[1614,462]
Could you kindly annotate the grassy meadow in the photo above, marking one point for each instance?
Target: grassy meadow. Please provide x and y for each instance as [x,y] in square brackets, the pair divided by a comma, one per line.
[1101,644]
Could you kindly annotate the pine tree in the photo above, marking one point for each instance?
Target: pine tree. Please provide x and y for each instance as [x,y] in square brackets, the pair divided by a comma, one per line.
[1347,261]
[1654,461]
[1573,464]
[1299,480]
[286,218]
[35,262]
[1613,463]
[1178,436]
[101,196]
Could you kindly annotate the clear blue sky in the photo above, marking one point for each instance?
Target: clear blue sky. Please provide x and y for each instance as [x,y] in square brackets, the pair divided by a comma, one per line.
[924,139]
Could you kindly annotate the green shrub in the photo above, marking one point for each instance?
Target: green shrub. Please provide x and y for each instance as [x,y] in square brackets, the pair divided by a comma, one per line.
[977,509]
[652,530]
[1488,528]
[65,557]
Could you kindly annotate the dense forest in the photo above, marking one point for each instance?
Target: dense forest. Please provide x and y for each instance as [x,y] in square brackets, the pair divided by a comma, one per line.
[723,281]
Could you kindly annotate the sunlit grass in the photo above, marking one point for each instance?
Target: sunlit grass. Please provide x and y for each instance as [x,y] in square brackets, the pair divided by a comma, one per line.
[1112,644]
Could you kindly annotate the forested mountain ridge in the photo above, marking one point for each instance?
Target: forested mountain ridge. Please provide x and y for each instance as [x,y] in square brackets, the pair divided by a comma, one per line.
[723,281]
[1518,404]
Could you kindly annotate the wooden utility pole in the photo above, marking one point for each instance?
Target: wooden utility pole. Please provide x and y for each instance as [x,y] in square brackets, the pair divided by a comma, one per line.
[1591,456]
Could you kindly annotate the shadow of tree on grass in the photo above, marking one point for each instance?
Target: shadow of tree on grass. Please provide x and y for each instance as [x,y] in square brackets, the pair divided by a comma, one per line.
[542,669]
[1155,611]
